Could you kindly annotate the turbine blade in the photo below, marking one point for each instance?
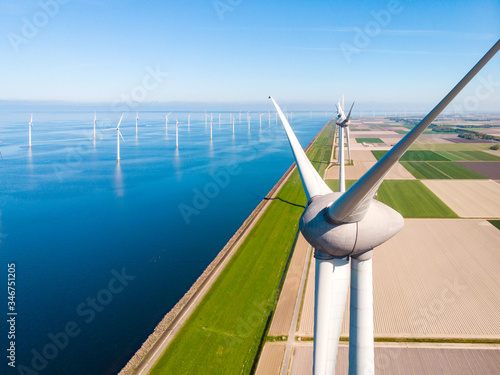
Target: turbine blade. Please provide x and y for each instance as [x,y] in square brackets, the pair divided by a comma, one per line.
[349,115]
[352,206]
[119,122]
[311,180]
[121,135]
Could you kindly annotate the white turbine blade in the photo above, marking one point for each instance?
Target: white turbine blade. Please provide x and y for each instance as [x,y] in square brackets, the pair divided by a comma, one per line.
[352,206]
[349,115]
[311,180]
[121,135]
[119,122]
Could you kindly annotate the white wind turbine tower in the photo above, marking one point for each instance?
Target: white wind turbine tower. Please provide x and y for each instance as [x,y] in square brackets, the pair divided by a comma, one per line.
[177,133]
[136,122]
[248,119]
[30,126]
[233,121]
[166,121]
[118,135]
[347,226]
[189,120]
[211,122]
[95,120]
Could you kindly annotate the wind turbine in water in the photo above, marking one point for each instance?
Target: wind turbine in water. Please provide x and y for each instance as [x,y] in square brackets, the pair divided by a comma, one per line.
[118,135]
[166,121]
[177,133]
[343,128]
[344,228]
[30,126]
[136,122]
[95,120]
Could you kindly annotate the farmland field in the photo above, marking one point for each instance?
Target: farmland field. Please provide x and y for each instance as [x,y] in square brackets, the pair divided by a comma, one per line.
[410,198]
[414,155]
[441,170]
[369,140]
[468,155]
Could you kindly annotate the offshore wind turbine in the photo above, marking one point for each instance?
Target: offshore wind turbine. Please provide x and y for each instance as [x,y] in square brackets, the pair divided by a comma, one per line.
[95,120]
[136,122]
[118,135]
[177,133]
[30,126]
[189,120]
[211,122]
[248,119]
[166,121]
[344,228]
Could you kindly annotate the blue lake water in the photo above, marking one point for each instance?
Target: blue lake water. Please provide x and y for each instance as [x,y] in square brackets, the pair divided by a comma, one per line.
[104,250]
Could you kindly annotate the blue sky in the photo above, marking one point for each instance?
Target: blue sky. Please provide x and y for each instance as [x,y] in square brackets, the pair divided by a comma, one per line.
[408,52]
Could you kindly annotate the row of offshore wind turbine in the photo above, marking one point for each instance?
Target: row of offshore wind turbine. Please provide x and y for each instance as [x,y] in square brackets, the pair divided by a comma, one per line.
[119,134]
[344,228]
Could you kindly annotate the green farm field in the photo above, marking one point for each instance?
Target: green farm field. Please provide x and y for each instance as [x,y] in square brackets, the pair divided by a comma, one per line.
[441,170]
[369,140]
[410,198]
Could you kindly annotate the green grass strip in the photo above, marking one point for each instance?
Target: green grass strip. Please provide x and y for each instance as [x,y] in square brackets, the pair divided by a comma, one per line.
[222,334]
[369,140]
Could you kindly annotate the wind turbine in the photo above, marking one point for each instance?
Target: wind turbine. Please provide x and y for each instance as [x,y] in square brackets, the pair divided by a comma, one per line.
[136,122]
[30,125]
[343,126]
[248,119]
[343,123]
[189,120]
[166,121]
[347,226]
[211,122]
[177,133]
[95,120]
[233,121]
[118,135]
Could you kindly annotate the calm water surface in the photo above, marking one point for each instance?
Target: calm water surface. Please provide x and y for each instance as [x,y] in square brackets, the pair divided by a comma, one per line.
[104,250]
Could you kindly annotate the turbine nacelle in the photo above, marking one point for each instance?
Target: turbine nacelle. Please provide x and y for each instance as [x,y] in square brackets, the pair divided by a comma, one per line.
[348,239]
